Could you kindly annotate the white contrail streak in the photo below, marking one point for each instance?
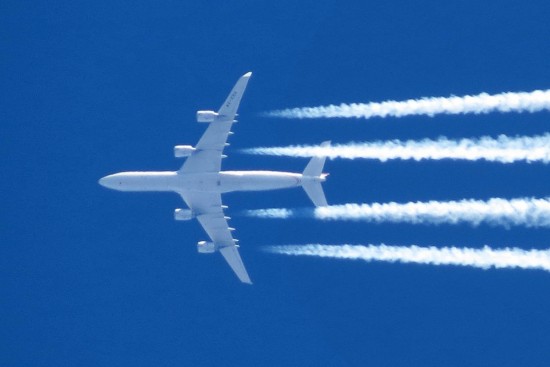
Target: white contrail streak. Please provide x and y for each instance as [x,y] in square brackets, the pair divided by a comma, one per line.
[503,149]
[528,212]
[484,258]
[537,100]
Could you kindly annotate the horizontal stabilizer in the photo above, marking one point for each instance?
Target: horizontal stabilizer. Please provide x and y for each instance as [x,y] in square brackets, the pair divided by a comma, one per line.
[312,178]
[315,166]
[315,192]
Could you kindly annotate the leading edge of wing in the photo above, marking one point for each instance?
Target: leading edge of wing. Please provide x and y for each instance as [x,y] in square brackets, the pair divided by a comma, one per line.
[231,255]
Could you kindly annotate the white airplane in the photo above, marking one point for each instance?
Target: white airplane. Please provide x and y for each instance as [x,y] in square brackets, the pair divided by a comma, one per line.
[200,181]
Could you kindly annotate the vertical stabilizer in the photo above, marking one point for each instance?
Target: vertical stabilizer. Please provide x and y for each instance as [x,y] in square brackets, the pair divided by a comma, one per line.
[312,178]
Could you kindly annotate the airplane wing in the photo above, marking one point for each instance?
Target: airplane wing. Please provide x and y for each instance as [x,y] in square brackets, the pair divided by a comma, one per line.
[207,156]
[209,212]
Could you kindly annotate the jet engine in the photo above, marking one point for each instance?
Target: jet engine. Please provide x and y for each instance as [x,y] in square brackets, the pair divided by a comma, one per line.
[184,214]
[206,116]
[181,151]
[205,247]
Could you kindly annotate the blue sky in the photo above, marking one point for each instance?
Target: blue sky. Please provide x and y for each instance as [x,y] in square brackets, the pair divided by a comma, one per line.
[92,277]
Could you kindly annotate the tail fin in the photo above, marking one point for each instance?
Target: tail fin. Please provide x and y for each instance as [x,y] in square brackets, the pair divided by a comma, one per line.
[312,178]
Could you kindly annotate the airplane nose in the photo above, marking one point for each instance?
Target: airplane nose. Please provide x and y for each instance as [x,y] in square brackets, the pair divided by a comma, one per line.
[103,181]
[106,181]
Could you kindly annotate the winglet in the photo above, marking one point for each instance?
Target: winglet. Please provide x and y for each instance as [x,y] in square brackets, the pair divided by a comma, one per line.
[228,110]
[231,255]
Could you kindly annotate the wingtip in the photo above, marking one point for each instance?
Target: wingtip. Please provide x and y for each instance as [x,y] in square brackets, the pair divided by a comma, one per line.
[247,75]
[245,279]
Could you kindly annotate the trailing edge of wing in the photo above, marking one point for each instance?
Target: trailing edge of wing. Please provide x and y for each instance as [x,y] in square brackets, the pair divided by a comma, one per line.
[231,255]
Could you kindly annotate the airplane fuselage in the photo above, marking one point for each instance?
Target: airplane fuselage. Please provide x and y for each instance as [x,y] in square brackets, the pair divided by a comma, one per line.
[222,182]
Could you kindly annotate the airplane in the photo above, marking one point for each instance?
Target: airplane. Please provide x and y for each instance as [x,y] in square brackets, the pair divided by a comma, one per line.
[200,180]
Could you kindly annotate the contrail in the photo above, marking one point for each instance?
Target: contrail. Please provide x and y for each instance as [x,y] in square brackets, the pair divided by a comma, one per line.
[534,101]
[483,258]
[527,212]
[503,149]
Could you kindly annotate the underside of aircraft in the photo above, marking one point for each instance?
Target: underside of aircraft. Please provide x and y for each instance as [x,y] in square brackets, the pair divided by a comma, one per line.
[200,181]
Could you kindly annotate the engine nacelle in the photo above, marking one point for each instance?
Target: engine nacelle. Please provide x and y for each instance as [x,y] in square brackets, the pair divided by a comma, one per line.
[205,247]
[206,116]
[184,214]
[181,151]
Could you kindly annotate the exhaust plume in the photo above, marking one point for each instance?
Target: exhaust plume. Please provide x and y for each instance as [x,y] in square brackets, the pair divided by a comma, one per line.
[503,149]
[527,212]
[534,101]
[483,258]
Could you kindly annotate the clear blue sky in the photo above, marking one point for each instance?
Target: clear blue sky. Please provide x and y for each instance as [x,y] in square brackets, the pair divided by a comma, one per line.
[92,277]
